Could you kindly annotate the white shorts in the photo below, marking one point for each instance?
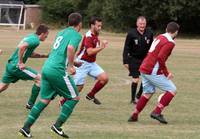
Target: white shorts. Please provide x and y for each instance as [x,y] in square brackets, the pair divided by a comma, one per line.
[91,69]
[150,82]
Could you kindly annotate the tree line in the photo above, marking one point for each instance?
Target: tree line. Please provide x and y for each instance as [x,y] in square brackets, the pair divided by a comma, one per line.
[120,15]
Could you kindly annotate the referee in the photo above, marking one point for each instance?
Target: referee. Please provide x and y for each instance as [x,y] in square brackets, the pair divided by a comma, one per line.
[137,44]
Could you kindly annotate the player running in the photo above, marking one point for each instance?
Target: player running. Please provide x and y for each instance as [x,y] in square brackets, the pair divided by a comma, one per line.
[55,79]
[17,70]
[90,47]
[155,74]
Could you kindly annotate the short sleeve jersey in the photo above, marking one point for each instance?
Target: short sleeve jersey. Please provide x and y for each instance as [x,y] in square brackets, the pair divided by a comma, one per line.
[89,41]
[33,42]
[58,55]
[159,52]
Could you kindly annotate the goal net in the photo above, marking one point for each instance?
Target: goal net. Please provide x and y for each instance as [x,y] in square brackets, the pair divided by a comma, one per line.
[11,13]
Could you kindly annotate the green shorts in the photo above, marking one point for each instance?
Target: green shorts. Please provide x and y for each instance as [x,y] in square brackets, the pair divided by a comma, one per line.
[12,74]
[57,83]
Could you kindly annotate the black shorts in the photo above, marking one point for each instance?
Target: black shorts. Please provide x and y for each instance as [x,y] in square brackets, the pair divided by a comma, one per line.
[134,66]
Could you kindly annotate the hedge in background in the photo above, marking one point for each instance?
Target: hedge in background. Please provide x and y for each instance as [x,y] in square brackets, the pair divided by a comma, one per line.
[120,15]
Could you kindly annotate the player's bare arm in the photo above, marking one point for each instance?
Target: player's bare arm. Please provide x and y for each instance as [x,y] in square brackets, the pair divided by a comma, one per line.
[77,63]
[37,55]
[93,51]
[70,56]
[22,48]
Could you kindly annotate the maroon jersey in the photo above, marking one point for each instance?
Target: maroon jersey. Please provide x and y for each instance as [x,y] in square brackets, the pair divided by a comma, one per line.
[89,41]
[160,50]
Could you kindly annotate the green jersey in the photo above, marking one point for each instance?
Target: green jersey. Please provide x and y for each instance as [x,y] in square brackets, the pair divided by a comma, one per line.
[58,56]
[33,41]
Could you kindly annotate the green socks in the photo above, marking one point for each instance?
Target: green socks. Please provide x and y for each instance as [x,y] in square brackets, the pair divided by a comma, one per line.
[34,114]
[34,94]
[66,111]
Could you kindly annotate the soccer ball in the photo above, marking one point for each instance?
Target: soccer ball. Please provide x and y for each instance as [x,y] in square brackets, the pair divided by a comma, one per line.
[160,96]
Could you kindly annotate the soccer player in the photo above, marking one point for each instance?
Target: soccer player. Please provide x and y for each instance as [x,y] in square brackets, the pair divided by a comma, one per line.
[89,49]
[137,44]
[56,80]
[17,70]
[154,74]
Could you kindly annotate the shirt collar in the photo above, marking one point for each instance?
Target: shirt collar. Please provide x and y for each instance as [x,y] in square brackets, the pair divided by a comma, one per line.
[169,38]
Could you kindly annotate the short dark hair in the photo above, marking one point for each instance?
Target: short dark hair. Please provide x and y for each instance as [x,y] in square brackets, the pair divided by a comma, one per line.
[93,19]
[74,19]
[41,29]
[172,27]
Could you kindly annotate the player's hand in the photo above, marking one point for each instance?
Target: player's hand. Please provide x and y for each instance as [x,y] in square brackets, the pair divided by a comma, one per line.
[77,63]
[71,70]
[126,66]
[21,66]
[170,76]
[1,51]
[104,44]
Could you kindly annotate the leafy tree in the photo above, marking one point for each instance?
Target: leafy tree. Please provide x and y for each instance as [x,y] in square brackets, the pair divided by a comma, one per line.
[57,11]
[120,15]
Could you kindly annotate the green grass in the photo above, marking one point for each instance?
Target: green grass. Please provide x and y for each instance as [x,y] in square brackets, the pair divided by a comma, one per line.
[108,121]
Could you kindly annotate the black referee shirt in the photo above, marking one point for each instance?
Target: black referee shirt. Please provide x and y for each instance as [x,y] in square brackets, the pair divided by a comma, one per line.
[137,45]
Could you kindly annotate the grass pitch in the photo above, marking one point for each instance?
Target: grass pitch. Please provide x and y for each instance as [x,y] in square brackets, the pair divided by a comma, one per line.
[109,120]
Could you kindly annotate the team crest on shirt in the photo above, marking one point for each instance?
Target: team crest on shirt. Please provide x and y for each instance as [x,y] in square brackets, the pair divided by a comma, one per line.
[136,42]
[147,40]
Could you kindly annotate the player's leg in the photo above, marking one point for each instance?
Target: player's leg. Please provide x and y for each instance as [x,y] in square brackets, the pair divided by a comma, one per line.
[33,116]
[79,87]
[3,86]
[81,74]
[138,95]
[66,88]
[1,51]
[101,80]
[7,78]
[169,92]
[79,78]
[31,74]
[66,110]
[47,94]
[34,92]
[134,85]
[149,90]
[134,73]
